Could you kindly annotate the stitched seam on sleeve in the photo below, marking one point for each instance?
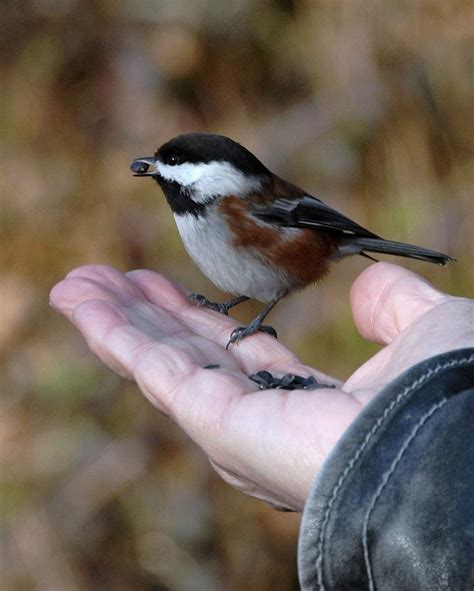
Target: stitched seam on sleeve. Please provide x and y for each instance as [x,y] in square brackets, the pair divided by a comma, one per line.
[384,482]
[352,462]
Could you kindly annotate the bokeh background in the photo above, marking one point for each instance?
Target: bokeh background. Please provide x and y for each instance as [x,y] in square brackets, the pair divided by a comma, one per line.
[366,104]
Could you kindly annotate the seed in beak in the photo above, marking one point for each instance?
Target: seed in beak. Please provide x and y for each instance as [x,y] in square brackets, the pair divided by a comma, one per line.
[139,167]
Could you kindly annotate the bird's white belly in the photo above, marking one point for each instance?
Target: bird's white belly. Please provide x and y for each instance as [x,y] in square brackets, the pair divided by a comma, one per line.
[233,269]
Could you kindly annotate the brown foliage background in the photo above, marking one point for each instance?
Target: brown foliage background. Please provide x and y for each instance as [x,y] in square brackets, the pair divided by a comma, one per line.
[366,104]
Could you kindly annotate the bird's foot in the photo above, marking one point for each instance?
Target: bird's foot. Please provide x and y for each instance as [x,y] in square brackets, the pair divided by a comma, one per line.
[222,308]
[203,302]
[242,332]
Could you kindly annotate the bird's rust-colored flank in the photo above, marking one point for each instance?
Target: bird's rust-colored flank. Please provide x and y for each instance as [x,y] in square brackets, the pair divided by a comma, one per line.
[280,248]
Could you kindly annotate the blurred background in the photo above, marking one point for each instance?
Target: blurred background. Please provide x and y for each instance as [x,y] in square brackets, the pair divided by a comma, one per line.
[366,104]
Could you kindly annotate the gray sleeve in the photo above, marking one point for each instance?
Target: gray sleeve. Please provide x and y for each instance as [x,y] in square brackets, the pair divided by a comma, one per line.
[393,507]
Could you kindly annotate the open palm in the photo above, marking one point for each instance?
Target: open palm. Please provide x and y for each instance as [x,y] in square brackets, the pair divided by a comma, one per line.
[269,443]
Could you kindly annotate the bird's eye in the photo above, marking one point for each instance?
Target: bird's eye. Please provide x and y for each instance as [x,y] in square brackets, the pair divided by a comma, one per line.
[172,160]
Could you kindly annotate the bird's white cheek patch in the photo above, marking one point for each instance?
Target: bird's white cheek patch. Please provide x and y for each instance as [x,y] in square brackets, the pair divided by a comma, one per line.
[184,174]
[209,180]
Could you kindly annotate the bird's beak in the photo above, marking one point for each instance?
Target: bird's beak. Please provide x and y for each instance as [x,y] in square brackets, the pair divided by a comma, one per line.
[144,166]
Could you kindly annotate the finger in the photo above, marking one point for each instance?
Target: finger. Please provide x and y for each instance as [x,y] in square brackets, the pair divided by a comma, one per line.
[163,292]
[98,320]
[134,354]
[386,299]
[97,284]
[92,282]
[104,283]
[122,347]
[255,353]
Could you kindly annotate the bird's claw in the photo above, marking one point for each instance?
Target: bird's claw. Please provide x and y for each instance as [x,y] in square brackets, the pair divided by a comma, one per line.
[202,302]
[269,330]
[241,332]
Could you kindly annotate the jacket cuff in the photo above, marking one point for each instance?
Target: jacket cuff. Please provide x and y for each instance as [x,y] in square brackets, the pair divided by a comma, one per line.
[393,506]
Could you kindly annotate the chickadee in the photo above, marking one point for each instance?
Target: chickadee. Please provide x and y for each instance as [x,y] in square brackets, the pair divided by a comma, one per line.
[252,233]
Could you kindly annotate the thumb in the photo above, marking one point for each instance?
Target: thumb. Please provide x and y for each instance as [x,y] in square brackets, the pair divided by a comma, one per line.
[386,299]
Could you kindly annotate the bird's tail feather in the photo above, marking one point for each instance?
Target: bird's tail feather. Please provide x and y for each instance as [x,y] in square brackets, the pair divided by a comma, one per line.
[360,245]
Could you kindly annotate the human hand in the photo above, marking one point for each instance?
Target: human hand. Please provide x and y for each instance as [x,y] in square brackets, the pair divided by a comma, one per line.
[269,444]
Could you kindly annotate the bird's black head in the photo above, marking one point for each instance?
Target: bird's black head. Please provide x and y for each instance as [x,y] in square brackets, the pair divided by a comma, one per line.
[203,148]
[194,169]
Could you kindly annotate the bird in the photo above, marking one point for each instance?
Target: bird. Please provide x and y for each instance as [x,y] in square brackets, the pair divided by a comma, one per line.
[252,233]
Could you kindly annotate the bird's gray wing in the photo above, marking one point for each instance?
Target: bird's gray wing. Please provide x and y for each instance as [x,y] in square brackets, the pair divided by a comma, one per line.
[309,212]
